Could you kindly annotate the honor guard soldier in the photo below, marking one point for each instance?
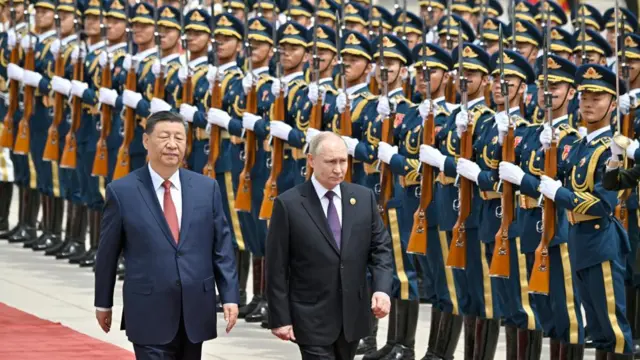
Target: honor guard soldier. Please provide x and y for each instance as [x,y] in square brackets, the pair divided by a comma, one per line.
[380,16]
[596,48]
[591,17]
[466,10]
[235,8]
[266,9]
[326,10]
[599,243]
[562,43]
[432,11]
[448,28]
[476,301]
[356,17]
[490,36]
[559,311]
[492,8]
[630,26]
[528,43]
[300,11]
[557,14]
[526,11]
[412,25]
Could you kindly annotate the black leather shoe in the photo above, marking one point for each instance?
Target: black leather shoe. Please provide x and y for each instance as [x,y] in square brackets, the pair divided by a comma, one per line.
[248,309]
[75,248]
[90,259]
[27,232]
[258,313]
[367,345]
[6,193]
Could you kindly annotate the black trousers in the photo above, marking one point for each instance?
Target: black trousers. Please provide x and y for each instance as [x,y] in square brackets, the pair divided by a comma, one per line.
[341,349]
[180,348]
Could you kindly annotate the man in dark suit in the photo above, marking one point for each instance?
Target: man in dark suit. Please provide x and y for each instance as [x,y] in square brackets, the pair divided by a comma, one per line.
[323,236]
[170,224]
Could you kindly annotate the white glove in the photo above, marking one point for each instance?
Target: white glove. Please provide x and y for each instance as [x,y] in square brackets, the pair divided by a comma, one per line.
[502,122]
[218,117]
[12,39]
[468,169]
[341,101]
[28,42]
[351,144]
[15,72]
[583,131]
[280,129]
[31,78]
[616,151]
[545,136]
[55,47]
[158,105]
[425,109]
[249,120]
[187,111]
[107,96]
[182,74]
[462,121]
[213,75]
[276,86]
[61,85]
[372,73]
[127,62]
[131,98]
[631,150]
[432,156]
[386,152]
[79,52]
[103,59]
[510,173]
[314,93]
[247,82]
[549,187]
[625,103]
[156,68]
[78,88]
[311,133]
[383,108]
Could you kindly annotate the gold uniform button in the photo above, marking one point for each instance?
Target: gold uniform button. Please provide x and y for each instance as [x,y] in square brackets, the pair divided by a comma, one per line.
[597,226]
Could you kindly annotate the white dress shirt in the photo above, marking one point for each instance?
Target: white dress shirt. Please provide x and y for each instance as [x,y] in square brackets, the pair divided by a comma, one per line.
[176,193]
[324,201]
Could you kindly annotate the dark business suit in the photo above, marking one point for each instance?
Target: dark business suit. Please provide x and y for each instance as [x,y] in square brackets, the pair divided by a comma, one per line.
[311,284]
[169,288]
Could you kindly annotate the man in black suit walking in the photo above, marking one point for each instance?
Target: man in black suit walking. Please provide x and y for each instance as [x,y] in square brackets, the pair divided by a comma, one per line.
[323,236]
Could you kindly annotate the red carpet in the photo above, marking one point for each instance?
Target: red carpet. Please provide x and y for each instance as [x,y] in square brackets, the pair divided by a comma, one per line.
[26,337]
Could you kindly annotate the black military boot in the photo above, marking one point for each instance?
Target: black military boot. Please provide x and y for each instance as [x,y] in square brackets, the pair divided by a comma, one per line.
[243,261]
[56,214]
[29,233]
[6,194]
[260,310]
[22,201]
[511,340]
[392,334]
[78,233]
[57,248]
[529,344]
[448,334]
[89,257]
[47,205]
[80,256]
[571,352]
[433,333]
[369,344]
[257,289]
[408,342]
[400,350]
[487,333]
[469,336]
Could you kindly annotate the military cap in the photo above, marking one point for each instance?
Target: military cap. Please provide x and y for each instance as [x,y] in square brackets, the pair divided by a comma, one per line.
[94,7]
[198,20]
[70,6]
[117,10]
[229,25]
[593,42]
[299,8]
[557,12]
[143,14]
[263,4]
[514,64]
[47,4]
[378,13]
[630,20]
[559,69]
[169,16]
[355,43]
[437,4]
[491,29]
[525,11]
[463,6]
[362,2]
[492,7]
[355,12]
[473,57]
[435,56]
[452,24]
[561,40]
[326,37]
[293,33]
[591,16]
[598,78]
[632,46]
[393,48]
[526,32]
[233,4]
[414,23]
[260,29]
[327,9]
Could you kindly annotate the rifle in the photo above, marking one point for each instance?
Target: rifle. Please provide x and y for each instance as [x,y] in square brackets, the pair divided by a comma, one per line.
[418,238]
[386,176]
[52,147]
[6,139]
[158,85]
[315,122]
[123,163]
[345,118]
[277,155]
[450,90]
[70,152]
[406,86]
[458,251]
[101,161]
[512,17]
[539,280]
[216,103]
[500,264]
[373,83]
[243,199]
[23,140]
[187,87]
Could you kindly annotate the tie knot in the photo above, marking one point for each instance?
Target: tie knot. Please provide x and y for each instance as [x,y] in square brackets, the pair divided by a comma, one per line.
[166,184]
[329,195]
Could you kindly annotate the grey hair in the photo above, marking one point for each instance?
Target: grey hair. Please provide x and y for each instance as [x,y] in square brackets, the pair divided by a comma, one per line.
[164,116]
[314,144]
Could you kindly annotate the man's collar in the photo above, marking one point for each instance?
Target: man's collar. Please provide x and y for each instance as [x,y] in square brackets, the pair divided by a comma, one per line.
[562,118]
[437,100]
[227,66]
[195,62]
[321,190]
[287,79]
[355,88]
[514,110]
[115,47]
[69,39]
[165,60]
[326,80]
[19,27]
[144,54]
[594,134]
[100,44]
[395,92]
[157,180]
[46,35]
[473,102]
[260,70]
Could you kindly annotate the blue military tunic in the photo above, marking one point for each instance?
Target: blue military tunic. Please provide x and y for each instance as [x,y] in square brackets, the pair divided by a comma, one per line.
[172,86]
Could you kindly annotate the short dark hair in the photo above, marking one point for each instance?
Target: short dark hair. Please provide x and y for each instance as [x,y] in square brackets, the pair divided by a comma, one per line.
[162,116]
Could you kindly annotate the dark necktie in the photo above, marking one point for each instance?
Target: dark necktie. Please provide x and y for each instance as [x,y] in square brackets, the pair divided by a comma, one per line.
[170,212]
[332,218]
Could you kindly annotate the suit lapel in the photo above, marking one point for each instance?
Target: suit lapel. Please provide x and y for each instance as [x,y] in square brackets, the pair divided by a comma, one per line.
[347,195]
[312,205]
[149,196]
[187,205]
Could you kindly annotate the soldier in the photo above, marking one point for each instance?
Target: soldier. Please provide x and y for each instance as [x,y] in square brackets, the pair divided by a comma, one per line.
[266,9]
[356,17]
[465,9]
[591,17]
[326,10]
[558,15]
[490,34]
[599,242]
[413,27]
[380,16]
[562,43]
[432,11]
[235,8]
[448,28]
[629,20]
[526,11]
[528,43]
[596,48]
[300,11]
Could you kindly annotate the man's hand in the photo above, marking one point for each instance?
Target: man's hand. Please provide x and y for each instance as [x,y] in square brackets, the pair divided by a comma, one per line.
[104,319]
[230,315]
[285,333]
[380,304]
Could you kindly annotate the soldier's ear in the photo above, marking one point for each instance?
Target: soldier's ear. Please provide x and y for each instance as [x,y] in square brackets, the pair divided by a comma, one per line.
[572,93]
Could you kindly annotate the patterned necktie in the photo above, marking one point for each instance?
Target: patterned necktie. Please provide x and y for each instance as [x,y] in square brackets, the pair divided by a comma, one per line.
[170,211]
[332,218]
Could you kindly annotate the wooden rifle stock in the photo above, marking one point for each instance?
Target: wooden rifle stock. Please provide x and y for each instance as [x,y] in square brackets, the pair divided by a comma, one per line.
[277,157]
[539,281]
[70,152]
[407,89]
[6,139]
[123,163]
[345,130]
[215,134]
[315,122]
[187,98]
[243,199]
[101,161]
[487,94]
[52,146]
[158,86]
[24,136]
[621,211]
[450,91]
[386,176]
[374,87]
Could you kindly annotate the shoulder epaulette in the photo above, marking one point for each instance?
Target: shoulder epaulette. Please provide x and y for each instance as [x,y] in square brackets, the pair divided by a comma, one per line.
[603,141]
[331,91]
[519,120]
[263,79]
[481,109]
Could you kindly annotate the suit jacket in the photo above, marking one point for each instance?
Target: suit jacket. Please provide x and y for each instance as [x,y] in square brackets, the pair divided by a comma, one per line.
[165,280]
[312,285]
[621,179]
